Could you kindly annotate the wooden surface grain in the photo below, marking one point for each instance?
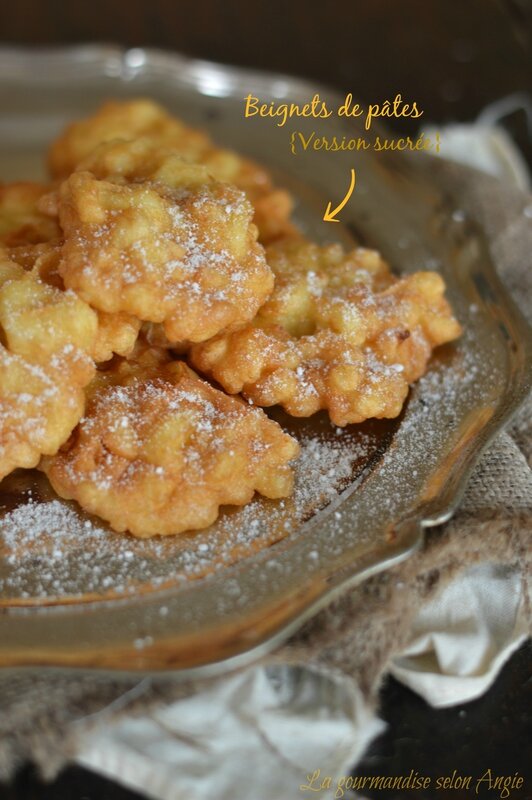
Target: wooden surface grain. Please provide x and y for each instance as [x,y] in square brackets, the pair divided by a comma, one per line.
[454,57]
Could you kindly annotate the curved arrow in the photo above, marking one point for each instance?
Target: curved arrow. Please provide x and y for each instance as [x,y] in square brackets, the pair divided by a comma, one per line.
[330,216]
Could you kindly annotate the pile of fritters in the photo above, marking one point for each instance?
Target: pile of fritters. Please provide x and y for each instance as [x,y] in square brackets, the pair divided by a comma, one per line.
[149,252]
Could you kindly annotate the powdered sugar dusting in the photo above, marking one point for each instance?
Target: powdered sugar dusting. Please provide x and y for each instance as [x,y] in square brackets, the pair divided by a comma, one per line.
[51,549]
[189,259]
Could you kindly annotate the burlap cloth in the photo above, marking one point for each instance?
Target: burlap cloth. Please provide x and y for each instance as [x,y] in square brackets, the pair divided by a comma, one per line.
[358,634]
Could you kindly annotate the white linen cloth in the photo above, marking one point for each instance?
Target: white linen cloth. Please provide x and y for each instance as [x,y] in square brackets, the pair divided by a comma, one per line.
[258,734]
[253,736]
[461,639]
[261,733]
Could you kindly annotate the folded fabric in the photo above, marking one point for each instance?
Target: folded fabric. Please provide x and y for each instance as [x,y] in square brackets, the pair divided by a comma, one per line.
[461,640]
[267,731]
[260,732]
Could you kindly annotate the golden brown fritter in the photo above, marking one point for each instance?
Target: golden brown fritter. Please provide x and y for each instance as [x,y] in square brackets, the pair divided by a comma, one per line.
[145,247]
[117,119]
[117,333]
[21,220]
[142,118]
[178,248]
[339,332]
[46,336]
[159,450]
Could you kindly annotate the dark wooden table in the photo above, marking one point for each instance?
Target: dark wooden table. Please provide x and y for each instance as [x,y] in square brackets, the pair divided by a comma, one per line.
[453,58]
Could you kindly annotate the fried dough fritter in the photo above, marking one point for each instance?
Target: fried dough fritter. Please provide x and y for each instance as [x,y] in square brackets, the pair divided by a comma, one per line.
[145,119]
[46,336]
[339,332]
[159,451]
[146,248]
[21,220]
[177,249]
[117,333]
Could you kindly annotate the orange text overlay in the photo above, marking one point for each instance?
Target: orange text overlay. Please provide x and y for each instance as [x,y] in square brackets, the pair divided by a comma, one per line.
[317,108]
[301,143]
[489,783]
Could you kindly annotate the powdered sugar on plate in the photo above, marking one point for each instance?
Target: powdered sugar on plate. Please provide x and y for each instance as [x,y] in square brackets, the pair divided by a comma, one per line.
[51,552]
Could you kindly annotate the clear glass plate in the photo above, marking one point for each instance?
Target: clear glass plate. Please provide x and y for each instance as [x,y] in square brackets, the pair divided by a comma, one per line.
[73,594]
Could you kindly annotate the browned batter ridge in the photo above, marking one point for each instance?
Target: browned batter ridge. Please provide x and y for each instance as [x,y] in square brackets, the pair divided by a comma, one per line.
[142,118]
[159,450]
[339,332]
